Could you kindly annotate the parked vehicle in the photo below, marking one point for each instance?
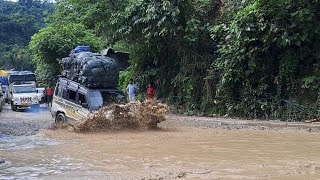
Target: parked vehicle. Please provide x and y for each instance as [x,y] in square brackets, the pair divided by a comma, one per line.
[22,90]
[2,98]
[4,81]
[74,102]
[5,89]
[24,96]
[41,95]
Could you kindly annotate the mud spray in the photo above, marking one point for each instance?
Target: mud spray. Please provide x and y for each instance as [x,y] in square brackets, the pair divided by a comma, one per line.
[137,115]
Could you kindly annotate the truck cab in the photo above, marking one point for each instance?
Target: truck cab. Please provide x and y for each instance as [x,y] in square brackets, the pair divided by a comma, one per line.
[23,95]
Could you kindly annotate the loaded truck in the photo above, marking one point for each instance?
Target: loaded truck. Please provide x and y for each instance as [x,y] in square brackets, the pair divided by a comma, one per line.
[2,100]
[22,90]
[88,82]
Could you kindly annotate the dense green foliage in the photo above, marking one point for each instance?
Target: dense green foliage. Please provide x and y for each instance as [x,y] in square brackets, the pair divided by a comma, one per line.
[269,60]
[169,41]
[55,42]
[18,22]
[253,59]
[171,47]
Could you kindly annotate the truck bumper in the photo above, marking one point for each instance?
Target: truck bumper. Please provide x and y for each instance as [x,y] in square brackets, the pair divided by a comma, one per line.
[25,105]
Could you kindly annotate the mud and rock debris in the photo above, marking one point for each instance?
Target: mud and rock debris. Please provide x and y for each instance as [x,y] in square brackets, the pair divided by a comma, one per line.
[137,115]
[312,120]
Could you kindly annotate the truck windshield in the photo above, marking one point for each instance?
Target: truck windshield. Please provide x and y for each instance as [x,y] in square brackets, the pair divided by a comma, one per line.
[112,96]
[96,101]
[24,89]
[99,99]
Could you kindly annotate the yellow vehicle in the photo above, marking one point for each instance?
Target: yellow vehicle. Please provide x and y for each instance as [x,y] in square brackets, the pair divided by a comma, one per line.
[73,102]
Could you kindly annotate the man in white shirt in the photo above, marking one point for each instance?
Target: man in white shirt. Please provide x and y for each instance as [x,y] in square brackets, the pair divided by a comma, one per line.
[131,90]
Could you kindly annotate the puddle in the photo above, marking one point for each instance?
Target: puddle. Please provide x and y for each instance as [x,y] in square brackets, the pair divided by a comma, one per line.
[186,153]
[19,165]
[25,142]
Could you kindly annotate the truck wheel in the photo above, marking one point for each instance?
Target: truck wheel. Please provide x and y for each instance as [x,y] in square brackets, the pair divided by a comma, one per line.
[60,118]
[13,107]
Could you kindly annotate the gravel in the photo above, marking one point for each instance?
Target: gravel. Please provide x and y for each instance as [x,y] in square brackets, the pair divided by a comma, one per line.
[24,122]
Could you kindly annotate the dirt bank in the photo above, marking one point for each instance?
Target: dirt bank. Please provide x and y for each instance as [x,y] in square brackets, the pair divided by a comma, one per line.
[175,121]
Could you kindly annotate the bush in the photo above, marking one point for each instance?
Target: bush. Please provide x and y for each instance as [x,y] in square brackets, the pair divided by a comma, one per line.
[269,52]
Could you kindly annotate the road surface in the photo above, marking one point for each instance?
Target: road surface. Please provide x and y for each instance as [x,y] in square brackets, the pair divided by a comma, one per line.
[183,148]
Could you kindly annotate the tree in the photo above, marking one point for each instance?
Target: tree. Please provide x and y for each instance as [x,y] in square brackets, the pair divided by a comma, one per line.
[171,46]
[98,16]
[54,42]
[268,58]
[17,24]
[169,41]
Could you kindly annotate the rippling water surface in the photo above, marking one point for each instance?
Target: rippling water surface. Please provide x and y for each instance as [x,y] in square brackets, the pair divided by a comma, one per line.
[187,153]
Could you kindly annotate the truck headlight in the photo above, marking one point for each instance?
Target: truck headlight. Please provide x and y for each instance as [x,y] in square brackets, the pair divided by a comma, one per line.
[35,98]
[15,99]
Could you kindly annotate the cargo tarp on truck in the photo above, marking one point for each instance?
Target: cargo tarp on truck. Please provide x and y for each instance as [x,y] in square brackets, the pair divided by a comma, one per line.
[91,70]
[121,58]
[94,70]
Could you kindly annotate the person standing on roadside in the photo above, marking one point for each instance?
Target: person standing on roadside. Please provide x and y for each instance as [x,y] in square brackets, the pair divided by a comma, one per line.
[131,90]
[151,91]
[49,94]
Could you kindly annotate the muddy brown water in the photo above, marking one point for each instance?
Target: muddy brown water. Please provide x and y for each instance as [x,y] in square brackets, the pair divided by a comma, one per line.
[168,153]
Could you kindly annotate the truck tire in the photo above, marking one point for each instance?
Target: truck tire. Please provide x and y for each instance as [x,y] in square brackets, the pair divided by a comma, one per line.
[13,107]
[60,118]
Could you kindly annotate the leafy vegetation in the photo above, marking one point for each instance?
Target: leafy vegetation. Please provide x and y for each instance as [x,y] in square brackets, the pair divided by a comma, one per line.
[18,22]
[55,42]
[250,59]
[171,47]
[268,62]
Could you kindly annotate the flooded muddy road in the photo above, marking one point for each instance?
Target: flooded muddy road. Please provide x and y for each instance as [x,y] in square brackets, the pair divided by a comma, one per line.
[183,148]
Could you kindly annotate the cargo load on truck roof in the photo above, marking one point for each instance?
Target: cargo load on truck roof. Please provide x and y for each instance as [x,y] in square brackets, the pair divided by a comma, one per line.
[122,58]
[93,70]
[79,49]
